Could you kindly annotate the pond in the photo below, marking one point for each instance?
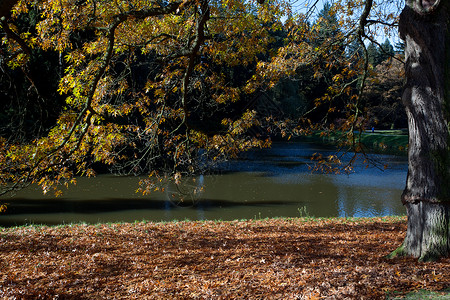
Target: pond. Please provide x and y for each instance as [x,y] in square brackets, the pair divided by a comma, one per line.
[275,182]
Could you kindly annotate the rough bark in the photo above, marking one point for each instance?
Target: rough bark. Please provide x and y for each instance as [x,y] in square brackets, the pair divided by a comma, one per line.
[424,28]
[427,236]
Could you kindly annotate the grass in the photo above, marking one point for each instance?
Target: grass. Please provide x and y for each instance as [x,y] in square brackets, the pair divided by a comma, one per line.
[381,141]
[304,216]
[422,295]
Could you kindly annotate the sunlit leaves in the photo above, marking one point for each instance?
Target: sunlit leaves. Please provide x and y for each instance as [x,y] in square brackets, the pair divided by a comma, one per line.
[108,46]
[3,207]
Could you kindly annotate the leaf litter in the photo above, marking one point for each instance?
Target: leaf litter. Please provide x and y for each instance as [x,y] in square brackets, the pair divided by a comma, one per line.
[257,259]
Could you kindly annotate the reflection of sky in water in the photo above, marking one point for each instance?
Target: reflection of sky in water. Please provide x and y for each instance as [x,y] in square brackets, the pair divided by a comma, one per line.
[290,162]
[262,183]
[375,203]
[368,191]
[285,158]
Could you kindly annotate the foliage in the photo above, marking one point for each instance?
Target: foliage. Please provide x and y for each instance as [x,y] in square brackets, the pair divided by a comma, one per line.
[173,87]
[138,122]
[382,100]
[378,54]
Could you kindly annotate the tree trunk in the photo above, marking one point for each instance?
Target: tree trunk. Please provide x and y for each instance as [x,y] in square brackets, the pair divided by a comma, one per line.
[423,26]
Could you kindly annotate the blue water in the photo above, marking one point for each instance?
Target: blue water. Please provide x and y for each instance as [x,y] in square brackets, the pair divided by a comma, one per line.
[275,182]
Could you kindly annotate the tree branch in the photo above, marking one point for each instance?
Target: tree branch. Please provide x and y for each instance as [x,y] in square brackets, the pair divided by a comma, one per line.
[361,35]
[14,36]
[193,53]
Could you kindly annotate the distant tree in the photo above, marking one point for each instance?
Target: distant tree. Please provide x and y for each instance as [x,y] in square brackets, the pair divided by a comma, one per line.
[378,54]
[386,51]
[374,54]
[327,24]
[382,99]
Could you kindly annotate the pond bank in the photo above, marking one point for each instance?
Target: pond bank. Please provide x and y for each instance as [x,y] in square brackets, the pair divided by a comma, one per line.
[393,142]
[270,259]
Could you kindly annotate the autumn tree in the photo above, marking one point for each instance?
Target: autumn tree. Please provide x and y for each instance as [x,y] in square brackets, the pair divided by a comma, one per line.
[137,75]
[109,119]
[423,26]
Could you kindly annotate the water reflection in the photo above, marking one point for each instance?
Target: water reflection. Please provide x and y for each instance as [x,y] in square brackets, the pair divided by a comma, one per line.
[264,183]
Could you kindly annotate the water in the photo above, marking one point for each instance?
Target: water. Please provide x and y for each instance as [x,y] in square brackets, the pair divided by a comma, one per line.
[274,182]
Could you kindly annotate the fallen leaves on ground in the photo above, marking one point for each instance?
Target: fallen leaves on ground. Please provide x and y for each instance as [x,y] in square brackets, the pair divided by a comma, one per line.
[257,259]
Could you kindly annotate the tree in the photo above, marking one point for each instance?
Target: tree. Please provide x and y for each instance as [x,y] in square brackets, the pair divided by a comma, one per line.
[377,55]
[424,26]
[109,119]
[372,51]
[129,120]
[327,23]
[386,50]
[382,98]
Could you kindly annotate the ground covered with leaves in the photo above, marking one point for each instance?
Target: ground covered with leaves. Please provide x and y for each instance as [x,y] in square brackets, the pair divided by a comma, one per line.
[257,259]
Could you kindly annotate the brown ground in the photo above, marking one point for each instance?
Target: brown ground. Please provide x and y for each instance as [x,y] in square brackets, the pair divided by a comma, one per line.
[267,259]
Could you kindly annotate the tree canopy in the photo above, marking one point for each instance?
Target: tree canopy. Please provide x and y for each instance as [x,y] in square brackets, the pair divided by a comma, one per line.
[171,87]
